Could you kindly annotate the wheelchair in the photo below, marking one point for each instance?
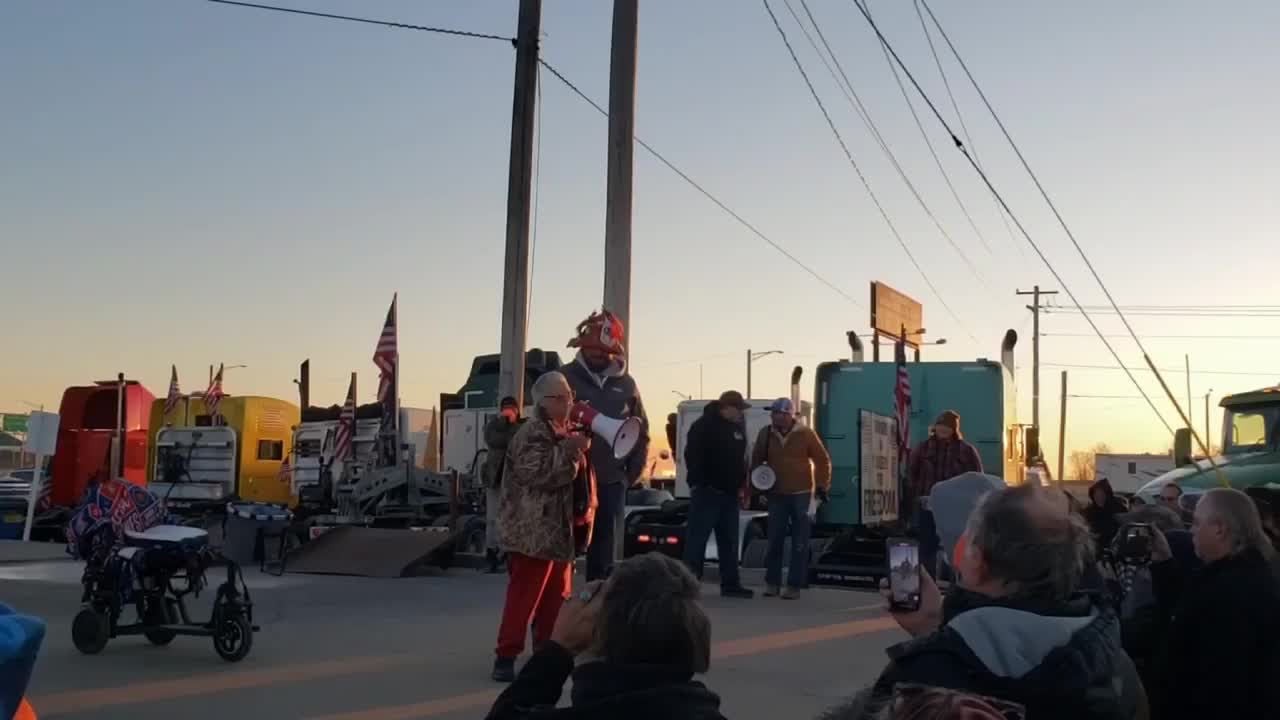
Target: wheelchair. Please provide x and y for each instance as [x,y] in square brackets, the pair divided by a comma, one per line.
[153,571]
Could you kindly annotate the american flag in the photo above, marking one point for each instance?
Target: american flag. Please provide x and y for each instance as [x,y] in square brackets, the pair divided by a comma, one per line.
[387,356]
[344,443]
[213,396]
[902,402]
[175,394]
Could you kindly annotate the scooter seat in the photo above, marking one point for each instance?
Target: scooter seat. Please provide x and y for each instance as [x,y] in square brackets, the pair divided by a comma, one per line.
[167,535]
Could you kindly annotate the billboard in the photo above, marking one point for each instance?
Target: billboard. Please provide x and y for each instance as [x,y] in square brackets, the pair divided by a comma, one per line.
[892,311]
[878,467]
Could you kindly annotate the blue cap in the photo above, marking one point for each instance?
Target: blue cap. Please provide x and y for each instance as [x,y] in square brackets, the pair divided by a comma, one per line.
[784,406]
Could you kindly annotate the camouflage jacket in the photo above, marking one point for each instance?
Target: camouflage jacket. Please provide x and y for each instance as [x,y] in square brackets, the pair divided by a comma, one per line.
[535,516]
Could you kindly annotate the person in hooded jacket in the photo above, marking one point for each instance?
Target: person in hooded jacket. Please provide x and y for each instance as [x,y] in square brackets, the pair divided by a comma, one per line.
[942,456]
[715,455]
[497,436]
[598,376]
[1103,512]
[1017,627]
[643,636]
[1222,652]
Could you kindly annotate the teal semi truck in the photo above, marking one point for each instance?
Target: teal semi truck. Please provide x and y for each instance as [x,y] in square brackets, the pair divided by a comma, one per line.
[1250,445]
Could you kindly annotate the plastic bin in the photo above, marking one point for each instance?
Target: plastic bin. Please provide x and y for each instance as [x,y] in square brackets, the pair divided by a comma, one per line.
[245,526]
[13,516]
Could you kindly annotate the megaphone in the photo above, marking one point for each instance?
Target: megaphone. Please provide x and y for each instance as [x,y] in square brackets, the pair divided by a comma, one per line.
[622,435]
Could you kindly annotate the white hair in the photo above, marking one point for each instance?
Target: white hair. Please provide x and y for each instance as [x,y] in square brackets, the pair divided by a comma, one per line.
[551,383]
[1239,517]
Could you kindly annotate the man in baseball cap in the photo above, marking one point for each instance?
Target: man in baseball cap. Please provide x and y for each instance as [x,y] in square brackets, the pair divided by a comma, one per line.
[715,455]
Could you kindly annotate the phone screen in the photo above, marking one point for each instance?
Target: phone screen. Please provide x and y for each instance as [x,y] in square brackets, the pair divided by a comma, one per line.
[904,573]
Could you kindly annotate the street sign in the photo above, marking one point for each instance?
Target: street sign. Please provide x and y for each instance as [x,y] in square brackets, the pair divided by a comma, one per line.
[42,433]
[14,423]
[892,312]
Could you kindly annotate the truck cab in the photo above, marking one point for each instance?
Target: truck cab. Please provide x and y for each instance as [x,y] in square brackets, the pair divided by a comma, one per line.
[1250,455]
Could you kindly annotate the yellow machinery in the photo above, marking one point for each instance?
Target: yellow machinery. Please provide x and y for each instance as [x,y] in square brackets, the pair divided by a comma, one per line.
[192,462]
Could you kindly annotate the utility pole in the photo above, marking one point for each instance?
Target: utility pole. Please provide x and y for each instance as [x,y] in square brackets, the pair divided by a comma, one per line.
[622,130]
[1189,411]
[1034,307]
[748,373]
[1208,429]
[1062,430]
[515,279]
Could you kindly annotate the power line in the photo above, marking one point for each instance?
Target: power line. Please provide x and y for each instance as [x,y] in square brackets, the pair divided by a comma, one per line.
[986,180]
[1174,371]
[1171,337]
[856,103]
[1105,397]
[968,138]
[369,21]
[705,193]
[849,154]
[1062,309]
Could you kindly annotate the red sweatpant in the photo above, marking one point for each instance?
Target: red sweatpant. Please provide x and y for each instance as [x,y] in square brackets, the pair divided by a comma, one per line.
[536,589]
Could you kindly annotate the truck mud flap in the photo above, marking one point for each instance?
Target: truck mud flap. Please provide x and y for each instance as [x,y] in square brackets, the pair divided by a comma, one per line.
[366,552]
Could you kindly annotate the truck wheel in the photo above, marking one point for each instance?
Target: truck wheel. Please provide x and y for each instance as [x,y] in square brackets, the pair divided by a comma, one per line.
[754,554]
[90,631]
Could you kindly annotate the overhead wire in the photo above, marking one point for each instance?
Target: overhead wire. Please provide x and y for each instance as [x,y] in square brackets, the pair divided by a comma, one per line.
[853,163]
[999,198]
[1174,371]
[577,91]
[369,21]
[705,192]
[855,102]
[1149,336]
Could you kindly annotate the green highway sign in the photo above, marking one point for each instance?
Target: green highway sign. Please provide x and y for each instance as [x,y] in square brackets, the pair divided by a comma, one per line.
[14,423]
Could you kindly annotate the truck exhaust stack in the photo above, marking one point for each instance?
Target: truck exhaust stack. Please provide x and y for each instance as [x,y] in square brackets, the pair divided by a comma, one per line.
[796,372]
[855,347]
[1006,349]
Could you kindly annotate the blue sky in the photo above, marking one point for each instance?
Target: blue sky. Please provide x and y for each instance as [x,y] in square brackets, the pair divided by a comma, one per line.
[191,183]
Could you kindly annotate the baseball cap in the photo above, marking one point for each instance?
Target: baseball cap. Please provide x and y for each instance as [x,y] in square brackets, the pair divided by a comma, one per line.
[733,398]
[783,405]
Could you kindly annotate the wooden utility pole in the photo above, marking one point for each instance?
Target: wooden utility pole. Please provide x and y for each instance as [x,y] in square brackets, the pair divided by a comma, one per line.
[1189,410]
[622,129]
[748,372]
[1208,429]
[1034,307]
[1062,430]
[515,280]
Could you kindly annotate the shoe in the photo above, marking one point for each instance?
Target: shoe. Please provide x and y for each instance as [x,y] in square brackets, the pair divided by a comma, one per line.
[504,670]
[771,591]
[495,561]
[790,593]
[737,592]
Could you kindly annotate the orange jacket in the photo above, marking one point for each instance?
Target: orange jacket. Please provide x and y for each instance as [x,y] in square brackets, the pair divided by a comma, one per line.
[25,712]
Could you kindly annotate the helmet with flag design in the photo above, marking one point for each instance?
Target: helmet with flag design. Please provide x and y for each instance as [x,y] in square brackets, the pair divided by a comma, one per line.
[603,332]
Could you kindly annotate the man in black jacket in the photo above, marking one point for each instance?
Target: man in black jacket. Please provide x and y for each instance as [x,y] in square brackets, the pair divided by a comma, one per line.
[1018,628]
[715,459]
[1222,658]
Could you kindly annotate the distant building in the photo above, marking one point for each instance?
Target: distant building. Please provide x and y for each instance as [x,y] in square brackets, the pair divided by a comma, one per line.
[1127,473]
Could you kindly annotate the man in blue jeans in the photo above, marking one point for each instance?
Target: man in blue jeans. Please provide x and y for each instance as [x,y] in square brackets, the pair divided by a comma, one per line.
[715,457]
[803,470]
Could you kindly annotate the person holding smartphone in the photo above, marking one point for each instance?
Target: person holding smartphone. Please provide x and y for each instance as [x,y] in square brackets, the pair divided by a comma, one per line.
[1016,627]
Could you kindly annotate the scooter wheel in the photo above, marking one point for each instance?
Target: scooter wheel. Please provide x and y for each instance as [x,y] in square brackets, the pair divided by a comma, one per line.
[90,631]
[233,638]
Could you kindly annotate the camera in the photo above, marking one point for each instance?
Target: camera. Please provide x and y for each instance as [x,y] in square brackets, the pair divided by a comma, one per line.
[1133,542]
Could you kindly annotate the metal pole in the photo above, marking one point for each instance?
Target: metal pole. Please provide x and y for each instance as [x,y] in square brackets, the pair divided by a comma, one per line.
[1062,429]
[1189,410]
[622,109]
[748,373]
[1208,430]
[515,284]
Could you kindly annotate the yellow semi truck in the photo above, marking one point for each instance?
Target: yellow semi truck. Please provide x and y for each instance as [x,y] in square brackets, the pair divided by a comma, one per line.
[194,463]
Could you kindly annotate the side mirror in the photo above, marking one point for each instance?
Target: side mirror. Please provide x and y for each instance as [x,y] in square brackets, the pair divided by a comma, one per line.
[1182,447]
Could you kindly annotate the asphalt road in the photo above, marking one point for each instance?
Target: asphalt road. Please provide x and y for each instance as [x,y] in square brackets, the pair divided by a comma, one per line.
[360,649]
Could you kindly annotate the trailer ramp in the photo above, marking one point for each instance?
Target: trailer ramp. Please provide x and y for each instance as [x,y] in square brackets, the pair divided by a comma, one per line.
[367,552]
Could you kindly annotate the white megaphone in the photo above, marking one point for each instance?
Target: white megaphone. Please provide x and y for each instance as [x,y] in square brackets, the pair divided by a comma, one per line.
[622,435]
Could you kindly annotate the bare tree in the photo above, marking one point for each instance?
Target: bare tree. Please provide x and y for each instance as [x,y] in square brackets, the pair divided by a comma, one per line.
[1082,463]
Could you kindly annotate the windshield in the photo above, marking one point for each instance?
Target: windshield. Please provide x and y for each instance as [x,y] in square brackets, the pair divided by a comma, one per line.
[1251,428]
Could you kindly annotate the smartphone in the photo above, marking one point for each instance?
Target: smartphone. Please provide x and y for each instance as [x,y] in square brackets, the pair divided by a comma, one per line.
[904,573]
[1136,540]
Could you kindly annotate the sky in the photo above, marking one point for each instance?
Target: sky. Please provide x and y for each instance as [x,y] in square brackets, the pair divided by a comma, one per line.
[189,183]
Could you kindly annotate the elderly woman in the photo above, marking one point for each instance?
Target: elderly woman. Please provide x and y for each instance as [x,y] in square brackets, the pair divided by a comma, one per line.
[535,520]
[642,635]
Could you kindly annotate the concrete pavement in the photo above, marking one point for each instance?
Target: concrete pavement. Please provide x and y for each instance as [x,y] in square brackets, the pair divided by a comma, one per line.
[360,649]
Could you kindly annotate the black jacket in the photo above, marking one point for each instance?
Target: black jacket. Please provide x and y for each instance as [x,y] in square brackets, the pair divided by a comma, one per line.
[1062,661]
[715,452]
[603,691]
[1104,520]
[1222,657]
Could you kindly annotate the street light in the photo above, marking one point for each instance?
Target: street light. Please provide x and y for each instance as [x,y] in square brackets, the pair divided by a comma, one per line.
[681,395]
[752,357]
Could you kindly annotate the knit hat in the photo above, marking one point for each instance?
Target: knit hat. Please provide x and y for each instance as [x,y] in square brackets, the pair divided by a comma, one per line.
[949,418]
[20,639]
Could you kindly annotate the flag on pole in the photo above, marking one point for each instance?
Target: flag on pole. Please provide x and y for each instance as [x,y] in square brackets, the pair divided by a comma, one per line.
[171,401]
[213,396]
[344,444]
[387,358]
[902,403]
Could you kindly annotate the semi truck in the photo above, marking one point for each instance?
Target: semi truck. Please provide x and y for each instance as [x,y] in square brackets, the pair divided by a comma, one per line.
[1250,457]
[853,413]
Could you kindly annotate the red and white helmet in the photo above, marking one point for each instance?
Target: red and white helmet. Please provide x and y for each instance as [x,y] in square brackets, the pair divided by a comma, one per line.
[601,331]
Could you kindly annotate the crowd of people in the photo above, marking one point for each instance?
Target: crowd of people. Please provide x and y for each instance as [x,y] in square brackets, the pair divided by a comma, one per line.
[1054,609]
